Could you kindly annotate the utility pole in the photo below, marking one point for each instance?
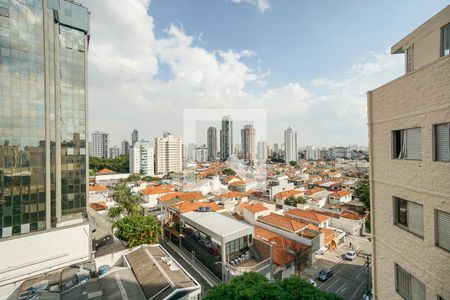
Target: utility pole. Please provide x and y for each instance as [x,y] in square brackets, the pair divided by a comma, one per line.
[368,277]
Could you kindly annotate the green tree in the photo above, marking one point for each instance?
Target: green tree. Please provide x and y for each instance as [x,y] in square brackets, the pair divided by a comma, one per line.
[126,202]
[136,230]
[151,178]
[362,191]
[119,164]
[133,177]
[293,201]
[293,163]
[228,172]
[367,223]
[277,160]
[255,286]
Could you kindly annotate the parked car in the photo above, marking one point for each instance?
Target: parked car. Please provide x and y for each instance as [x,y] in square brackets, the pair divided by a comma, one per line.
[205,243]
[312,282]
[350,255]
[214,251]
[325,274]
[187,230]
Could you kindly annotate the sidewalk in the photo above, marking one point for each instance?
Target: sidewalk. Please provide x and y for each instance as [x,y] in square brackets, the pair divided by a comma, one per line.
[331,259]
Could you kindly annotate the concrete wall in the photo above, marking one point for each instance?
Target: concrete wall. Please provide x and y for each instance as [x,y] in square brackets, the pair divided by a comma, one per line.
[315,243]
[426,40]
[33,254]
[418,99]
[111,259]
[111,177]
[352,227]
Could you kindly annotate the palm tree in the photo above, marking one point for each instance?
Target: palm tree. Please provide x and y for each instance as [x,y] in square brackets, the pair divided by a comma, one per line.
[126,202]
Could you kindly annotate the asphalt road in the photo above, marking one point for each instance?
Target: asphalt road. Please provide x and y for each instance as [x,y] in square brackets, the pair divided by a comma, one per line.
[349,279]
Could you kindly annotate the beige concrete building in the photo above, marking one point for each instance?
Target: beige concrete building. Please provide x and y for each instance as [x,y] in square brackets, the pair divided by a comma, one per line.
[168,154]
[409,128]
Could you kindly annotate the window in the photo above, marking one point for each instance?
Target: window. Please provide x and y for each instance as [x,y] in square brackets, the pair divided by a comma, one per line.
[408,215]
[407,144]
[446,40]
[442,142]
[407,286]
[4,11]
[442,229]
[409,59]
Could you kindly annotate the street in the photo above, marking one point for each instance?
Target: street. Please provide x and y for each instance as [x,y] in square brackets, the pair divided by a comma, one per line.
[350,277]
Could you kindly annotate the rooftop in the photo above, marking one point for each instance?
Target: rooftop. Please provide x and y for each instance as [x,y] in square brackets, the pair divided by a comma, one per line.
[231,195]
[253,206]
[187,206]
[217,225]
[157,273]
[342,193]
[308,214]
[283,222]
[282,247]
[285,194]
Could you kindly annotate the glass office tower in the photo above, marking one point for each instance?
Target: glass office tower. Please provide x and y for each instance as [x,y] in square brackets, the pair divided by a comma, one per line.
[43,114]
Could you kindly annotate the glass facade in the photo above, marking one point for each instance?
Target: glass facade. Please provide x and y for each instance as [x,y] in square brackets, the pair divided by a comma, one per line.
[43,118]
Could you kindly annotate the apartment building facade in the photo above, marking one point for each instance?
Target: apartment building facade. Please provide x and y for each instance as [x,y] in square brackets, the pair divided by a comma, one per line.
[124,148]
[263,151]
[226,138]
[100,144]
[212,143]
[168,154]
[248,143]
[291,145]
[409,128]
[142,159]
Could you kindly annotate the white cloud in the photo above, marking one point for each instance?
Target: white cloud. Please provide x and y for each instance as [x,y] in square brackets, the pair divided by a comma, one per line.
[261,4]
[127,64]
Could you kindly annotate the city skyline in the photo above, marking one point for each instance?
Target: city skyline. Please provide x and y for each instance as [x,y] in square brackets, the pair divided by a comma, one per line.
[172,59]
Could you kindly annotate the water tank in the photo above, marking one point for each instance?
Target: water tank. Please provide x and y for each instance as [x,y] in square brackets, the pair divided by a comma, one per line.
[103,269]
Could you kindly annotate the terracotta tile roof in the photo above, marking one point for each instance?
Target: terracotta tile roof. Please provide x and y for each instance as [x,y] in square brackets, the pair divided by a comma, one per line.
[308,214]
[314,191]
[169,197]
[283,222]
[340,194]
[231,195]
[282,246]
[187,206]
[237,183]
[158,189]
[352,215]
[285,194]
[97,206]
[190,196]
[253,206]
[98,188]
[229,178]
[105,171]
[328,233]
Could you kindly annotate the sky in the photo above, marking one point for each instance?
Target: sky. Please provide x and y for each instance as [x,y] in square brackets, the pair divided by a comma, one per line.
[309,64]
